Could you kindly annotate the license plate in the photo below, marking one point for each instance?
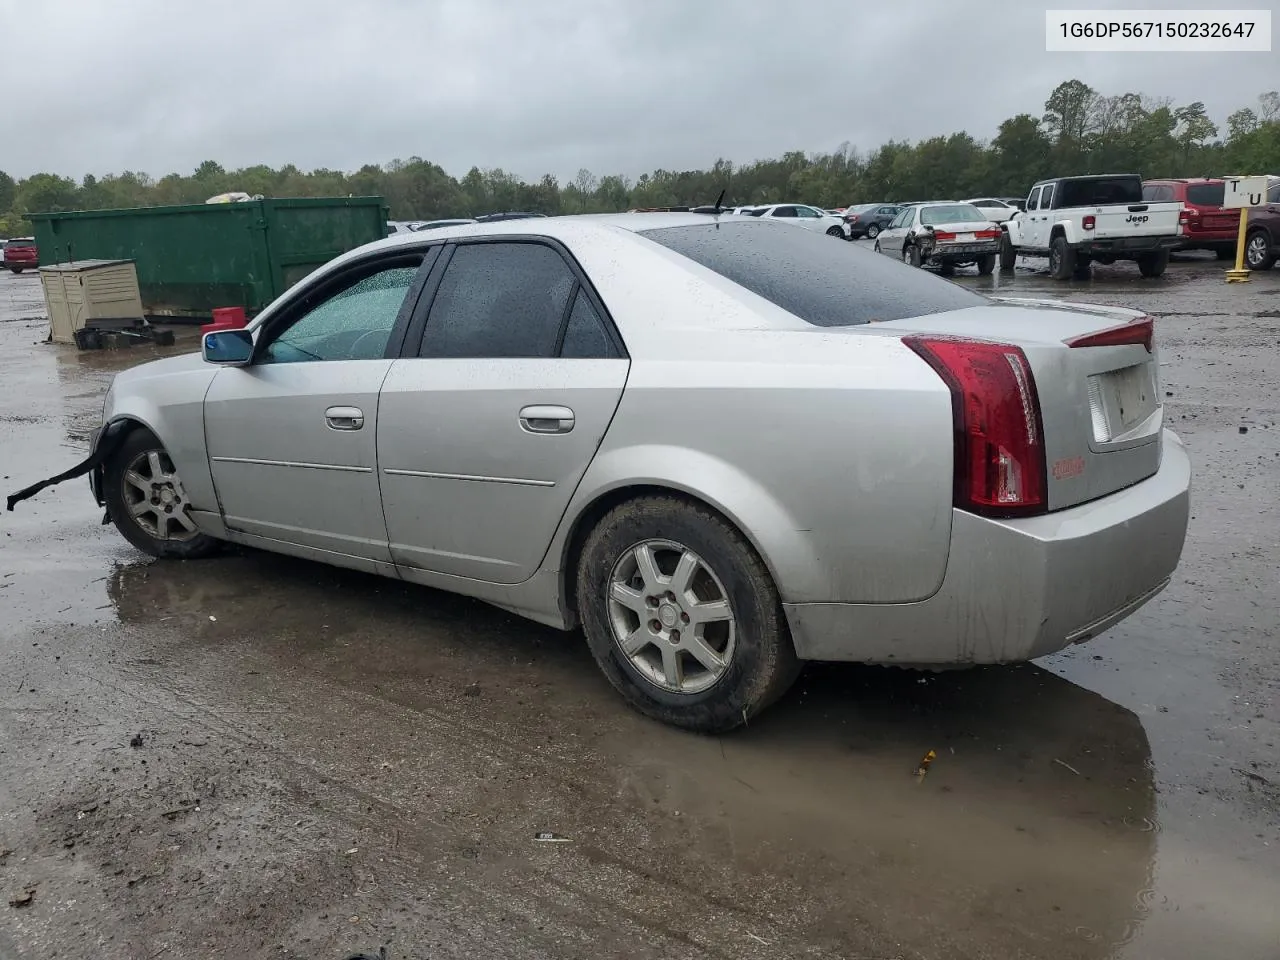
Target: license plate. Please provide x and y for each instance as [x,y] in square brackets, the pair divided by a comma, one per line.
[965,237]
[1134,395]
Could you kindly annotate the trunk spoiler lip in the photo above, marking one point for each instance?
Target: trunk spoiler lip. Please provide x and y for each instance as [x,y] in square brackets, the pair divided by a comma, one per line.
[1070,306]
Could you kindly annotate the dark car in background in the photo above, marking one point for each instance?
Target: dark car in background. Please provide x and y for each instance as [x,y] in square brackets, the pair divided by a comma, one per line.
[20,254]
[1262,242]
[868,219]
[1207,226]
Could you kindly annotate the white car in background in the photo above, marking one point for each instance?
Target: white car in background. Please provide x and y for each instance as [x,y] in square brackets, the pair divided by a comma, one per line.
[803,215]
[995,209]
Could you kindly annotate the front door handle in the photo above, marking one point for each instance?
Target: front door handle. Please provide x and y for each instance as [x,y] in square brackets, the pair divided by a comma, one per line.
[546,419]
[344,418]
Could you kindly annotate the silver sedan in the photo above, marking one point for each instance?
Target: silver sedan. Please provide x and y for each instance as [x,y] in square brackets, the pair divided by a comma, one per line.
[722,446]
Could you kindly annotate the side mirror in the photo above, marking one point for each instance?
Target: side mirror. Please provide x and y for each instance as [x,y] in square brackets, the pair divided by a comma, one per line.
[229,348]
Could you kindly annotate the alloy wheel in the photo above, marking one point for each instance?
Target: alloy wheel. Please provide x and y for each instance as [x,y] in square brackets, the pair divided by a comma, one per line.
[156,499]
[671,616]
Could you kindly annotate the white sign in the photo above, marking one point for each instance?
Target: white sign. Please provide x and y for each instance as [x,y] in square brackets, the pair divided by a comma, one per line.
[1245,192]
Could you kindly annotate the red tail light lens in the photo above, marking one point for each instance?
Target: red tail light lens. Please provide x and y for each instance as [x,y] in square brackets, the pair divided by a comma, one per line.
[1142,330]
[851,217]
[1089,222]
[999,447]
[988,234]
[1184,215]
[943,235]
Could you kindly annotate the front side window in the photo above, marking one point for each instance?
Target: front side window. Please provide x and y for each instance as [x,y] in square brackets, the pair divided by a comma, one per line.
[499,300]
[1033,201]
[353,324]
[808,213]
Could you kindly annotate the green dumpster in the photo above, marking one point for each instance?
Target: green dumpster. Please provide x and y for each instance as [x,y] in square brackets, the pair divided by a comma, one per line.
[196,257]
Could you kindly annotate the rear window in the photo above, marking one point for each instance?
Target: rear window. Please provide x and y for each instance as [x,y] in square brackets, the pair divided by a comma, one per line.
[1207,194]
[953,213]
[806,273]
[1098,191]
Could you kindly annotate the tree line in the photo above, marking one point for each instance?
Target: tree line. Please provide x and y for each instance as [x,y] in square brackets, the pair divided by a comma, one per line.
[1081,131]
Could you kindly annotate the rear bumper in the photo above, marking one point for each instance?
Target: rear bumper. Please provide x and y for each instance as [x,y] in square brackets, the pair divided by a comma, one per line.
[953,252]
[1019,589]
[1121,246]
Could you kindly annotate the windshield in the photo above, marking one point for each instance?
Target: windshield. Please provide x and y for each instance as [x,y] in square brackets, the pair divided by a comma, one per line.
[804,273]
[951,213]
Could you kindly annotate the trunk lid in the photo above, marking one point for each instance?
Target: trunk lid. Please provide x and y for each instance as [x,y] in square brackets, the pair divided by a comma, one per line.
[1135,220]
[1100,406]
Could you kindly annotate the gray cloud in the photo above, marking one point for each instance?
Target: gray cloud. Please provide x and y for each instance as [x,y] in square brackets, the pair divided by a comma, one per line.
[538,86]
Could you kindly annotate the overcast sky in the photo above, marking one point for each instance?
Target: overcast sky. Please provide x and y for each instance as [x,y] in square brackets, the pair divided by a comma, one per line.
[537,86]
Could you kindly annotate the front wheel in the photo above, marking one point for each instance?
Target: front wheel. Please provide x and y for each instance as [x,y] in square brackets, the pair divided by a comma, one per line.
[1153,264]
[1008,253]
[873,231]
[986,264]
[147,502]
[682,615]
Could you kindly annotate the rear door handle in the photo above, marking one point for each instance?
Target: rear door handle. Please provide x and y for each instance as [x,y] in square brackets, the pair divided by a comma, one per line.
[344,418]
[546,419]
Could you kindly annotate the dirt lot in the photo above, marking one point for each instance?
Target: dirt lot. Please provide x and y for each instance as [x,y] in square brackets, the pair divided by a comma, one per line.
[261,757]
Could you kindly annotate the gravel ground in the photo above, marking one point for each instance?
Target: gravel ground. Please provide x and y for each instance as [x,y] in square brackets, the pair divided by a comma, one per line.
[256,756]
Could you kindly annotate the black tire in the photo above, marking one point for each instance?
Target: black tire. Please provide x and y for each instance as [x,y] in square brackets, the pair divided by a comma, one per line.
[911,255]
[876,247]
[1153,264]
[947,268]
[15,269]
[139,444]
[1259,250]
[873,231]
[1083,270]
[986,264]
[762,664]
[1062,259]
[835,232]
[1008,253]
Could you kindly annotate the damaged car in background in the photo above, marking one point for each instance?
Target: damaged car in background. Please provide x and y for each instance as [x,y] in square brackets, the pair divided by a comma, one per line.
[942,235]
[717,444]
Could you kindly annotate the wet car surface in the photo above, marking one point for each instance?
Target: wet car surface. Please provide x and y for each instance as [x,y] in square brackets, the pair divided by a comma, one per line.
[261,756]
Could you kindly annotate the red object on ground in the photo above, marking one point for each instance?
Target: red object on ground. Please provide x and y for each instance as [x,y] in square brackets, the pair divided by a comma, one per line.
[226,318]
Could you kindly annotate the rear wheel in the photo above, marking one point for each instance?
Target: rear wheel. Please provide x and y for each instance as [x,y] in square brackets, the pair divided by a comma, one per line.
[148,503]
[947,268]
[16,269]
[1259,252]
[986,264]
[1062,259]
[1153,264]
[1008,253]
[873,231]
[835,232]
[911,255]
[682,615]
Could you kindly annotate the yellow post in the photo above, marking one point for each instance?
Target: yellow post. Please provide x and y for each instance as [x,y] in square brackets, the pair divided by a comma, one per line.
[1240,274]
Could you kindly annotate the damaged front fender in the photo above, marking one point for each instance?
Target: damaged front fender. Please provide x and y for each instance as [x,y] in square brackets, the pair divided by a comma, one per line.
[102,444]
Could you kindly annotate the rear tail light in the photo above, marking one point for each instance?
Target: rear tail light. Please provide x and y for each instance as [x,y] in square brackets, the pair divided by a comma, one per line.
[1089,222]
[1184,216]
[1142,330]
[851,217]
[988,234]
[943,235]
[999,450]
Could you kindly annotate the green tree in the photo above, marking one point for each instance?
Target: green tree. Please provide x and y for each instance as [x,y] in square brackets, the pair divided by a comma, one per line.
[8,192]
[46,192]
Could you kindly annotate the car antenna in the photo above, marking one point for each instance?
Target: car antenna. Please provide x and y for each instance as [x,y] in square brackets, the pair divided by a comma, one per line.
[719,200]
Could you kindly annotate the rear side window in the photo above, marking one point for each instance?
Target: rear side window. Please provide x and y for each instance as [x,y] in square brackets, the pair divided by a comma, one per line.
[499,300]
[1099,191]
[804,273]
[1207,194]
[584,336]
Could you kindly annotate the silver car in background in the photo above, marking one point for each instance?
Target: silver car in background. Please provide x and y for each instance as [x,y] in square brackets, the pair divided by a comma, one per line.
[943,235]
[721,445]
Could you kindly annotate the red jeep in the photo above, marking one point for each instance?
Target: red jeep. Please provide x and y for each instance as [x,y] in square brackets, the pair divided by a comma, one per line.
[20,253]
[1206,225]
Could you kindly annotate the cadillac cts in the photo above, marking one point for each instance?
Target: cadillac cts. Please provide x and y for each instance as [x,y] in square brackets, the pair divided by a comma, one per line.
[722,446]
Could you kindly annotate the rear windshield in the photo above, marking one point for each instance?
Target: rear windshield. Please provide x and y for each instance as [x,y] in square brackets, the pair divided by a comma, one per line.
[1098,191]
[1207,194]
[953,213]
[808,274]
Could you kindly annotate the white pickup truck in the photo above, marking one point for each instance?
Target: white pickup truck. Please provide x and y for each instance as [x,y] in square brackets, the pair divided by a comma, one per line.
[1077,220]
